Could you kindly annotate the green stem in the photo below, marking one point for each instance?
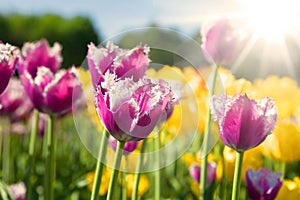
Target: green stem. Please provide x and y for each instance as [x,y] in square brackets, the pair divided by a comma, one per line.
[115,171]
[206,138]
[6,151]
[237,175]
[283,170]
[124,189]
[50,160]
[157,177]
[33,134]
[100,165]
[139,168]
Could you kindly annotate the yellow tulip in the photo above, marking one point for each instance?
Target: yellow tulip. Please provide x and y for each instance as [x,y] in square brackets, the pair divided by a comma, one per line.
[290,190]
[192,103]
[144,184]
[284,91]
[233,86]
[281,145]
[104,181]
[88,93]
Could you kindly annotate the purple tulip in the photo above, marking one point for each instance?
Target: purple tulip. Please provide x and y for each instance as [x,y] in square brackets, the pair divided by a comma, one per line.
[195,171]
[8,60]
[18,191]
[244,123]
[128,147]
[124,63]
[35,55]
[130,110]
[263,184]
[53,93]
[221,42]
[15,102]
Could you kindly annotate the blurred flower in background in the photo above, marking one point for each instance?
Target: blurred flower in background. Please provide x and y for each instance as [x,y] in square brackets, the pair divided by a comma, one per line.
[283,143]
[290,189]
[195,171]
[18,191]
[128,147]
[104,181]
[15,102]
[88,95]
[50,91]
[263,184]
[8,60]
[144,184]
[221,41]
[40,54]
[283,90]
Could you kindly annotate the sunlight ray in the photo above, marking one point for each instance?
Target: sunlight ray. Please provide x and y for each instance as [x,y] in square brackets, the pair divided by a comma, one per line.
[244,53]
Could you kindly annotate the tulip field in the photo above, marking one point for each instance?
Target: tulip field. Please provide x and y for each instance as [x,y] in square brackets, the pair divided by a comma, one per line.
[119,128]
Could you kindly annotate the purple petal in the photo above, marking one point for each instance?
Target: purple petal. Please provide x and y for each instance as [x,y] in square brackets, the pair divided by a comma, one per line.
[8,60]
[263,184]
[221,42]
[15,102]
[34,92]
[11,98]
[124,63]
[100,60]
[195,172]
[243,123]
[62,92]
[128,147]
[40,54]
[105,114]
[134,65]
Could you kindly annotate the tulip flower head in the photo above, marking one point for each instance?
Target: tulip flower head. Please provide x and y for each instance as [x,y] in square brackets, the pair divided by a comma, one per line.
[243,123]
[128,147]
[8,61]
[221,42]
[40,54]
[15,102]
[130,110]
[195,171]
[125,63]
[53,93]
[18,191]
[263,184]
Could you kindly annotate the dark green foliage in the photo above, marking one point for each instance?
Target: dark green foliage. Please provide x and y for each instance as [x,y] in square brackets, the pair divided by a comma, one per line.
[74,34]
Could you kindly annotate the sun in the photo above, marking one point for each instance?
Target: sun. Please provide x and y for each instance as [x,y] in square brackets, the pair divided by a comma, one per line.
[271,19]
[271,27]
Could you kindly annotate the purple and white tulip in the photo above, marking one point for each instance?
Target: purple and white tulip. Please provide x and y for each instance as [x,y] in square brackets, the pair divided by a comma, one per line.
[130,110]
[38,54]
[263,184]
[221,41]
[15,102]
[125,63]
[8,60]
[243,123]
[53,93]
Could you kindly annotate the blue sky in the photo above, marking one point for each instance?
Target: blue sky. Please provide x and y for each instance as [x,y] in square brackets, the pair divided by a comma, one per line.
[114,16]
